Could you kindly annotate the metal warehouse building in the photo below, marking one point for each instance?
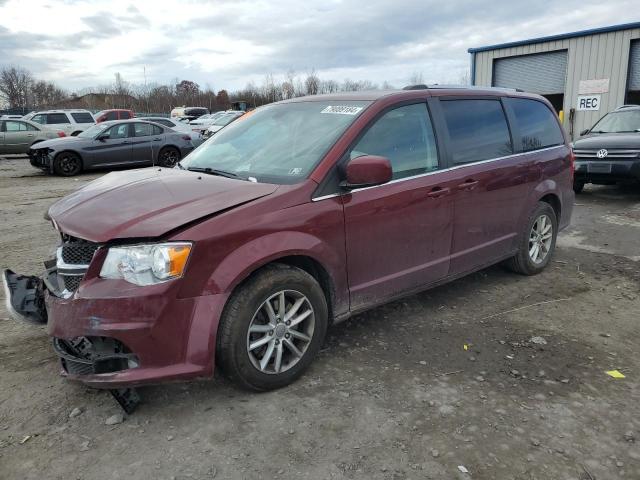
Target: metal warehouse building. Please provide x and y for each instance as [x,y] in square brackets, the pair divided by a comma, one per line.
[583,74]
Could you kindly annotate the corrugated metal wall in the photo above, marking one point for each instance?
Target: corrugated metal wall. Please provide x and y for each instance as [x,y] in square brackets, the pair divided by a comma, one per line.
[598,56]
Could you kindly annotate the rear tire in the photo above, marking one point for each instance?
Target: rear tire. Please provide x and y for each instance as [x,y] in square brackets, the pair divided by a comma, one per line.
[67,164]
[168,157]
[263,346]
[578,186]
[531,260]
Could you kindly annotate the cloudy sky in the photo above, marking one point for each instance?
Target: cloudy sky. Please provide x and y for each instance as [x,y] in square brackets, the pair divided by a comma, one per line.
[225,44]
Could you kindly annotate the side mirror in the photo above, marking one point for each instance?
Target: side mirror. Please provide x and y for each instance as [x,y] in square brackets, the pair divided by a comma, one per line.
[584,132]
[103,137]
[367,171]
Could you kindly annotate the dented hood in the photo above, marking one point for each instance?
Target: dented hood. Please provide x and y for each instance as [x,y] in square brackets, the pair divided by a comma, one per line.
[148,202]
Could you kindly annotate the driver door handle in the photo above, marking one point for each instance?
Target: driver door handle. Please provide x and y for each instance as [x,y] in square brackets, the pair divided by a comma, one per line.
[157,139]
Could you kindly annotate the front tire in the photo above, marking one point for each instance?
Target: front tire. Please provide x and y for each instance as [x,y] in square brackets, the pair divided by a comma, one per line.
[272,328]
[67,164]
[168,157]
[537,243]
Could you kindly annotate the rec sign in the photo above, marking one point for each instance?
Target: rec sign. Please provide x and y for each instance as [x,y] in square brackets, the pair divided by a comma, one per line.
[588,102]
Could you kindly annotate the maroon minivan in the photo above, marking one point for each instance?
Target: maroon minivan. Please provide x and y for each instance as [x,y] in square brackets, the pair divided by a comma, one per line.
[292,219]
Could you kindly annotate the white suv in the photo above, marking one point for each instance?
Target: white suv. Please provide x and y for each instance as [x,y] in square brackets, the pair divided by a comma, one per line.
[71,122]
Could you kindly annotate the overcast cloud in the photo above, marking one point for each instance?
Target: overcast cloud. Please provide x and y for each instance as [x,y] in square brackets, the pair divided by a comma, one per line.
[225,44]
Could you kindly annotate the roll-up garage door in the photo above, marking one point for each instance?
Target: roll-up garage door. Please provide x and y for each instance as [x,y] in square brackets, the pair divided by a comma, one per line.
[542,73]
[634,66]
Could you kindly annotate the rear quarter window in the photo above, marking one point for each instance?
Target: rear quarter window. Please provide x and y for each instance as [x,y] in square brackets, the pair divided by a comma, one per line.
[82,117]
[536,124]
[57,118]
[478,130]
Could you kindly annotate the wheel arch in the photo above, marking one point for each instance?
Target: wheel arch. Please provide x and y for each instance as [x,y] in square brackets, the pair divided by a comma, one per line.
[553,200]
[308,264]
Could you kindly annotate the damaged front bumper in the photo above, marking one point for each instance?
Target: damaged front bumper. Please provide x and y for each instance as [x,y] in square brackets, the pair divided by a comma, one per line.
[111,334]
[41,158]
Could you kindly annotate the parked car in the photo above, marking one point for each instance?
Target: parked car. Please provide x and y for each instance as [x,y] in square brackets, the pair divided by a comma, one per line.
[220,122]
[71,122]
[111,144]
[297,217]
[113,114]
[188,113]
[201,124]
[609,152]
[18,136]
[178,126]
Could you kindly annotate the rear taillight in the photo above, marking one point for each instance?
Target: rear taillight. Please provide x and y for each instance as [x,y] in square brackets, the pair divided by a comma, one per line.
[572,160]
[62,134]
[186,137]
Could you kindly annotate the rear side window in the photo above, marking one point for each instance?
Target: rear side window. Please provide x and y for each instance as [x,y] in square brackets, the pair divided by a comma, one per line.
[15,126]
[111,116]
[146,129]
[537,124]
[404,136]
[478,130]
[82,117]
[56,118]
[166,123]
[125,115]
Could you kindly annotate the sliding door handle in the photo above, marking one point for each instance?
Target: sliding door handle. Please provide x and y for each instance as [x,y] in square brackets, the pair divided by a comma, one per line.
[438,192]
[468,185]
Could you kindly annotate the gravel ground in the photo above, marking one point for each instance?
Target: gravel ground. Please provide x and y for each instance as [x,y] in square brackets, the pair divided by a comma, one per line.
[448,381]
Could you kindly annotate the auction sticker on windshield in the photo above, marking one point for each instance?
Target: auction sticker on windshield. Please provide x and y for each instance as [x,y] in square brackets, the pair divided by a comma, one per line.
[342,109]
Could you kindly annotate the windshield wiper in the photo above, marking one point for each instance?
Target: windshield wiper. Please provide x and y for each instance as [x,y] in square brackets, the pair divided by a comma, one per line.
[179,165]
[215,171]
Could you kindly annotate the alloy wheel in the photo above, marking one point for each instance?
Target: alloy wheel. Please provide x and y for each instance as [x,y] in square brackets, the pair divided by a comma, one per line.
[540,239]
[280,332]
[170,158]
[68,164]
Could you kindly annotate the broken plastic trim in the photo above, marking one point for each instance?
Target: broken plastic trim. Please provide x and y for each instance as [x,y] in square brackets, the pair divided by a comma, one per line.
[24,296]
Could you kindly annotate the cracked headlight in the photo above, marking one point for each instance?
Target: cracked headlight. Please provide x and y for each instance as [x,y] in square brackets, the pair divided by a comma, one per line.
[146,264]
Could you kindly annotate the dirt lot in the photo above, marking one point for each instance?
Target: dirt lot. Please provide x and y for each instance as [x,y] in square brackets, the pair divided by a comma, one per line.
[393,395]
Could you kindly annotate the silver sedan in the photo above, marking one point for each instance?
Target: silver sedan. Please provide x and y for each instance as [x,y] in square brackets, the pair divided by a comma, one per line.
[18,136]
[135,143]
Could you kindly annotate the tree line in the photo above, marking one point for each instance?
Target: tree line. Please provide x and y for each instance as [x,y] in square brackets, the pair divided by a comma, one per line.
[19,89]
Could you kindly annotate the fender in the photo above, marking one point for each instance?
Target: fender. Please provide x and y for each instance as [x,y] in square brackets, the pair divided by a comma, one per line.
[240,263]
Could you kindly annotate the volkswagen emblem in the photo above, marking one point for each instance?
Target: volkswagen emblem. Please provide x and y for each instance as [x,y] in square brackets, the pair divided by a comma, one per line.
[602,153]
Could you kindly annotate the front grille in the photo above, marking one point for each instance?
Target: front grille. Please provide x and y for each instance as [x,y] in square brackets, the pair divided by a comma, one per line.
[612,154]
[72,282]
[74,256]
[78,252]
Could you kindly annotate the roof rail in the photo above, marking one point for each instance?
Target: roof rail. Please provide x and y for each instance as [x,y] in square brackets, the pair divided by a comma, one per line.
[422,86]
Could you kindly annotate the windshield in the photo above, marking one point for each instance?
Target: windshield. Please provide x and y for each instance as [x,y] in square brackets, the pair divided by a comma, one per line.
[619,122]
[279,143]
[93,131]
[225,119]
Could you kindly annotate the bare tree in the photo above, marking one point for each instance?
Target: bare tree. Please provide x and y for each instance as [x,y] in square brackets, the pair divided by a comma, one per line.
[416,78]
[312,83]
[15,84]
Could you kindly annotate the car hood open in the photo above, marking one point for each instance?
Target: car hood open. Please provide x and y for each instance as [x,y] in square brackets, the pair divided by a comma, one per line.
[148,203]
